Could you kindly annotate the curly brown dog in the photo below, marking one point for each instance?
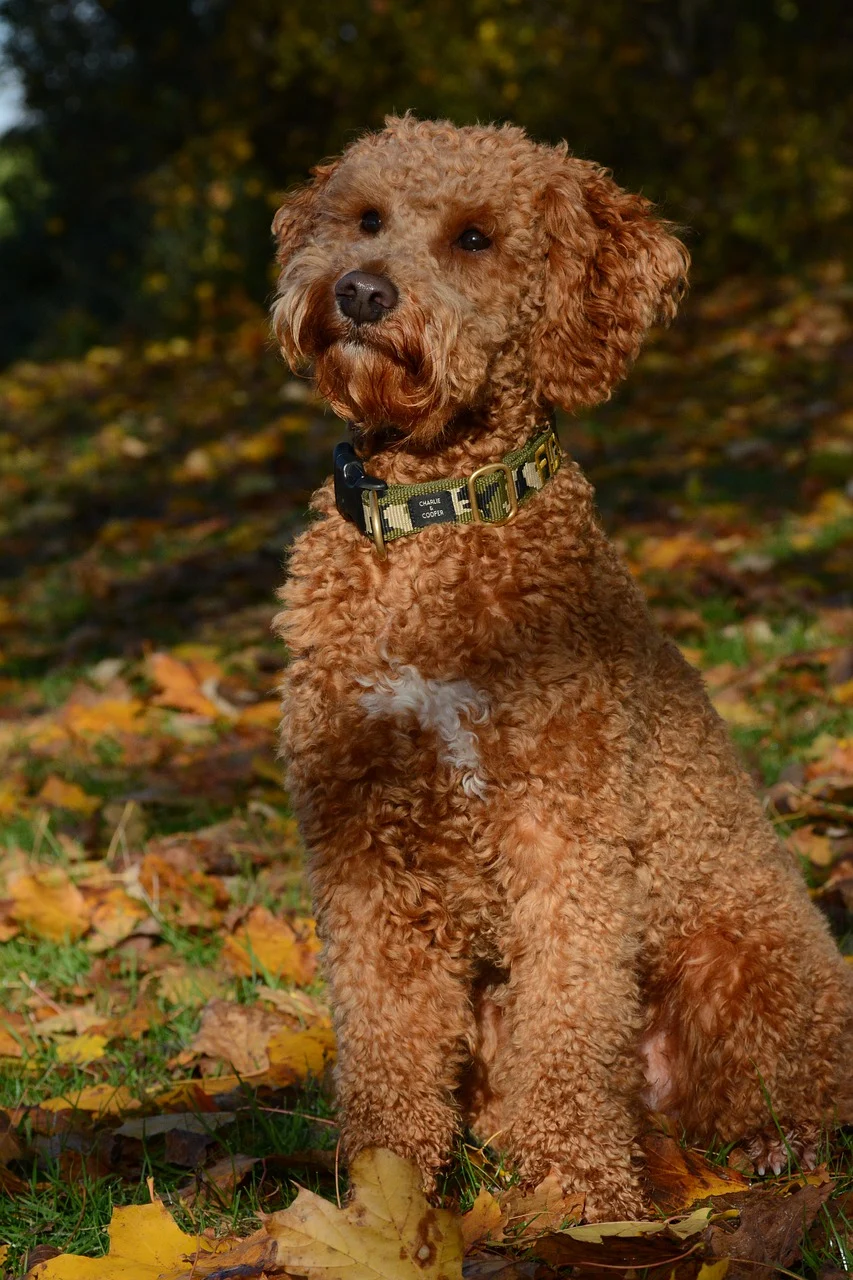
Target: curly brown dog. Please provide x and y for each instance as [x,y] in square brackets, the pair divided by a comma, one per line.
[548,896]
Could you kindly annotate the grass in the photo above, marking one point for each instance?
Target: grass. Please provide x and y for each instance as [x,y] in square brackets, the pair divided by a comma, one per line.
[114,555]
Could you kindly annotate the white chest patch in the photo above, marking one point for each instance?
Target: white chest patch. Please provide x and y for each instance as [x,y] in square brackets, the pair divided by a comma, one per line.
[438,705]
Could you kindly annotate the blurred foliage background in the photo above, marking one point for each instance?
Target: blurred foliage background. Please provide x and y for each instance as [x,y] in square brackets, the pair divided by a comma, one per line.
[136,195]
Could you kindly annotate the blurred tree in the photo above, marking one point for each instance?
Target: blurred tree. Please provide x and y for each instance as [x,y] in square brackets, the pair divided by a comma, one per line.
[160,133]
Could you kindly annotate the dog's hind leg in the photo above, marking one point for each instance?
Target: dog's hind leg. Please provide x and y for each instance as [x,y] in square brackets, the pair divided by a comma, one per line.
[747,1029]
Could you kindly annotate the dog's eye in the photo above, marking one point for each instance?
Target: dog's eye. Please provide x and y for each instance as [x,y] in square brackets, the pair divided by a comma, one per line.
[473,241]
[371,221]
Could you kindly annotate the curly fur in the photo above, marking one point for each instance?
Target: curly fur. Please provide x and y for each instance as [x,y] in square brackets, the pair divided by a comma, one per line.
[601,919]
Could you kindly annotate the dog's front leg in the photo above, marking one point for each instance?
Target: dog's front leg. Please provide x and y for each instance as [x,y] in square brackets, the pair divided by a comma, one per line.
[402,1015]
[570,1071]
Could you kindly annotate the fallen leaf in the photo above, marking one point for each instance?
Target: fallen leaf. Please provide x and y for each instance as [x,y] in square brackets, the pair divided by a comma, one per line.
[49,905]
[251,1259]
[114,917]
[101,1099]
[294,1055]
[809,844]
[482,1219]
[14,1037]
[265,715]
[771,1226]
[679,1177]
[713,1270]
[387,1230]
[142,1127]
[81,1050]
[108,716]
[190,987]
[218,1182]
[623,1244]
[145,1244]
[545,1208]
[180,683]
[67,795]
[237,1034]
[271,945]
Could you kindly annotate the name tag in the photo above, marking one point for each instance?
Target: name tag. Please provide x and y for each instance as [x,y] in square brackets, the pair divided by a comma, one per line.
[430,508]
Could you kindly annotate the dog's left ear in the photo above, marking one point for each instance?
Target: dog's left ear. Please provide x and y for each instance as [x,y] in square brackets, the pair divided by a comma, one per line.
[613,269]
[295,220]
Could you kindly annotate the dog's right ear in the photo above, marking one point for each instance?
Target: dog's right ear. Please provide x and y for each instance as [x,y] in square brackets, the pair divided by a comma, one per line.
[295,220]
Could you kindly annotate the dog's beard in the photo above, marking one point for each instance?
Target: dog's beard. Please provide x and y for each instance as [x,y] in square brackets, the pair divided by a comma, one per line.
[396,372]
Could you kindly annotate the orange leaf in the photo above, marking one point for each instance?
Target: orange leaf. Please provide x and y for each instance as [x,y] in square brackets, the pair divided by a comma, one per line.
[110,715]
[67,795]
[180,683]
[680,1177]
[271,945]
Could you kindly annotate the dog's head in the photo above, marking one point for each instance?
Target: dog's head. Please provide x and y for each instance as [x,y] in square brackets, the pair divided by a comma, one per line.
[433,270]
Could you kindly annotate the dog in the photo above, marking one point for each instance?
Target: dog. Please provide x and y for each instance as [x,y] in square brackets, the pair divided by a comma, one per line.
[548,897]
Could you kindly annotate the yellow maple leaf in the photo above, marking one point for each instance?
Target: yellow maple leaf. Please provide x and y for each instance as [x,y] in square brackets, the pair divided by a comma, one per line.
[47,904]
[67,795]
[388,1230]
[145,1244]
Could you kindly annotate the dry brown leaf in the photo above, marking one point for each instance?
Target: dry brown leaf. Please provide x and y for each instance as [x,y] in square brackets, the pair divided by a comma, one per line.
[49,905]
[482,1221]
[265,942]
[237,1034]
[218,1182]
[67,795]
[679,1177]
[145,1244]
[771,1226]
[388,1231]
[251,1259]
[545,1208]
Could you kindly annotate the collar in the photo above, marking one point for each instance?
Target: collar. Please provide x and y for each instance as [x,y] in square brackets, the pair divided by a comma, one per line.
[491,495]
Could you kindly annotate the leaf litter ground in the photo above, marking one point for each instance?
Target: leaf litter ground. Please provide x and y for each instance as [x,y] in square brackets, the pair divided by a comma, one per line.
[164,1038]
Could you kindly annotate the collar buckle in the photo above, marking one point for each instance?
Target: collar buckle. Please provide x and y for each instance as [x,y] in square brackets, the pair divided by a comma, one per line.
[351,481]
[492,468]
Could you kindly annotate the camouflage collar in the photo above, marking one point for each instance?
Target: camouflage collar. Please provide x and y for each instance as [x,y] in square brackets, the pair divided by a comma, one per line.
[492,495]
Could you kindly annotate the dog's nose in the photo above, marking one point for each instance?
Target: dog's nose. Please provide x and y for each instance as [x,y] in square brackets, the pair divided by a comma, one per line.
[364,297]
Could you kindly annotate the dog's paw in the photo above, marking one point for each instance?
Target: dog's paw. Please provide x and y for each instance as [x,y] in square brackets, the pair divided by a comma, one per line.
[771,1150]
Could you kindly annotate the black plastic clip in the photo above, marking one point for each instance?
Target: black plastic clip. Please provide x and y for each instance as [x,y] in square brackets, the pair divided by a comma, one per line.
[351,481]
